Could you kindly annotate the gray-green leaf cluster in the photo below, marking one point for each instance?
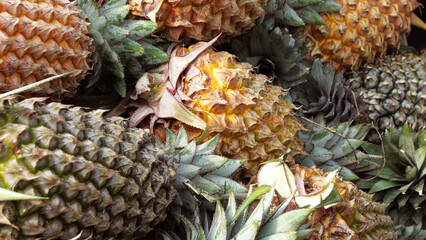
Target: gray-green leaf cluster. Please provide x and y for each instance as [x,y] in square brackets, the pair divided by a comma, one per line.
[200,172]
[275,53]
[337,147]
[324,92]
[400,183]
[249,221]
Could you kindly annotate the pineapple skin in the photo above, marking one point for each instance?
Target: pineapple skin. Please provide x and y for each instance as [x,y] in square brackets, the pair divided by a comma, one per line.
[251,116]
[393,92]
[103,179]
[40,39]
[360,32]
[202,20]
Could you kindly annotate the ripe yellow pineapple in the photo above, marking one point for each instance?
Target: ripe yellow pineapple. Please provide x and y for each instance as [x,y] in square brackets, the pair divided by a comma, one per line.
[199,19]
[361,31]
[41,39]
[251,116]
[44,38]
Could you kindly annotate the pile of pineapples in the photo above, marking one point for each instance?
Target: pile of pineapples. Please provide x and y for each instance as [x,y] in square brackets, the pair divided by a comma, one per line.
[239,119]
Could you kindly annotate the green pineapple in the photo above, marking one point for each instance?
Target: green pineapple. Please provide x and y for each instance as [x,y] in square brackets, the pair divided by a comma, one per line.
[392,92]
[102,178]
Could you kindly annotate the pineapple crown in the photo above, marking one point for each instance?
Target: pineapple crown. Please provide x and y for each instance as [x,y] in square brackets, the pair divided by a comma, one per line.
[400,180]
[269,45]
[253,219]
[404,161]
[336,147]
[324,92]
[274,52]
[119,42]
[199,170]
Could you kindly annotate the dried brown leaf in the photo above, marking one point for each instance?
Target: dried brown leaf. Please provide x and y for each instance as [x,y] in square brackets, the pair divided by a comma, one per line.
[140,114]
[170,107]
[178,64]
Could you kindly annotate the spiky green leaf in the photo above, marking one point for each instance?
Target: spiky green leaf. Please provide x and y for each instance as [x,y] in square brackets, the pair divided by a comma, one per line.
[310,16]
[128,48]
[218,230]
[152,55]
[253,196]
[291,17]
[139,29]
[9,195]
[286,222]
[116,14]
[383,185]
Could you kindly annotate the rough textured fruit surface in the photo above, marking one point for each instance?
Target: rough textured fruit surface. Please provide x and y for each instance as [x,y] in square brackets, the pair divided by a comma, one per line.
[252,118]
[40,39]
[361,31]
[392,91]
[199,19]
[357,216]
[103,179]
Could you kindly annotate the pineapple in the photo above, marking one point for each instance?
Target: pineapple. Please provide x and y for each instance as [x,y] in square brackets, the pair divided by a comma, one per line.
[271,45]
[361,31]
[400,180]
[39,39]
[392,92]
[103,180]
[199,20]
[354,215]
[204,20]
[252,118]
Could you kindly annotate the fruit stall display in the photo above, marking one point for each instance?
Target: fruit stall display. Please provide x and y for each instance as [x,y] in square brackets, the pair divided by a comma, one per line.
[225,119]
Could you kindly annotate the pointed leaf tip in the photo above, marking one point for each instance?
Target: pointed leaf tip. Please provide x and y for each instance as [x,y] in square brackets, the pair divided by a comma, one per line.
[8,195]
